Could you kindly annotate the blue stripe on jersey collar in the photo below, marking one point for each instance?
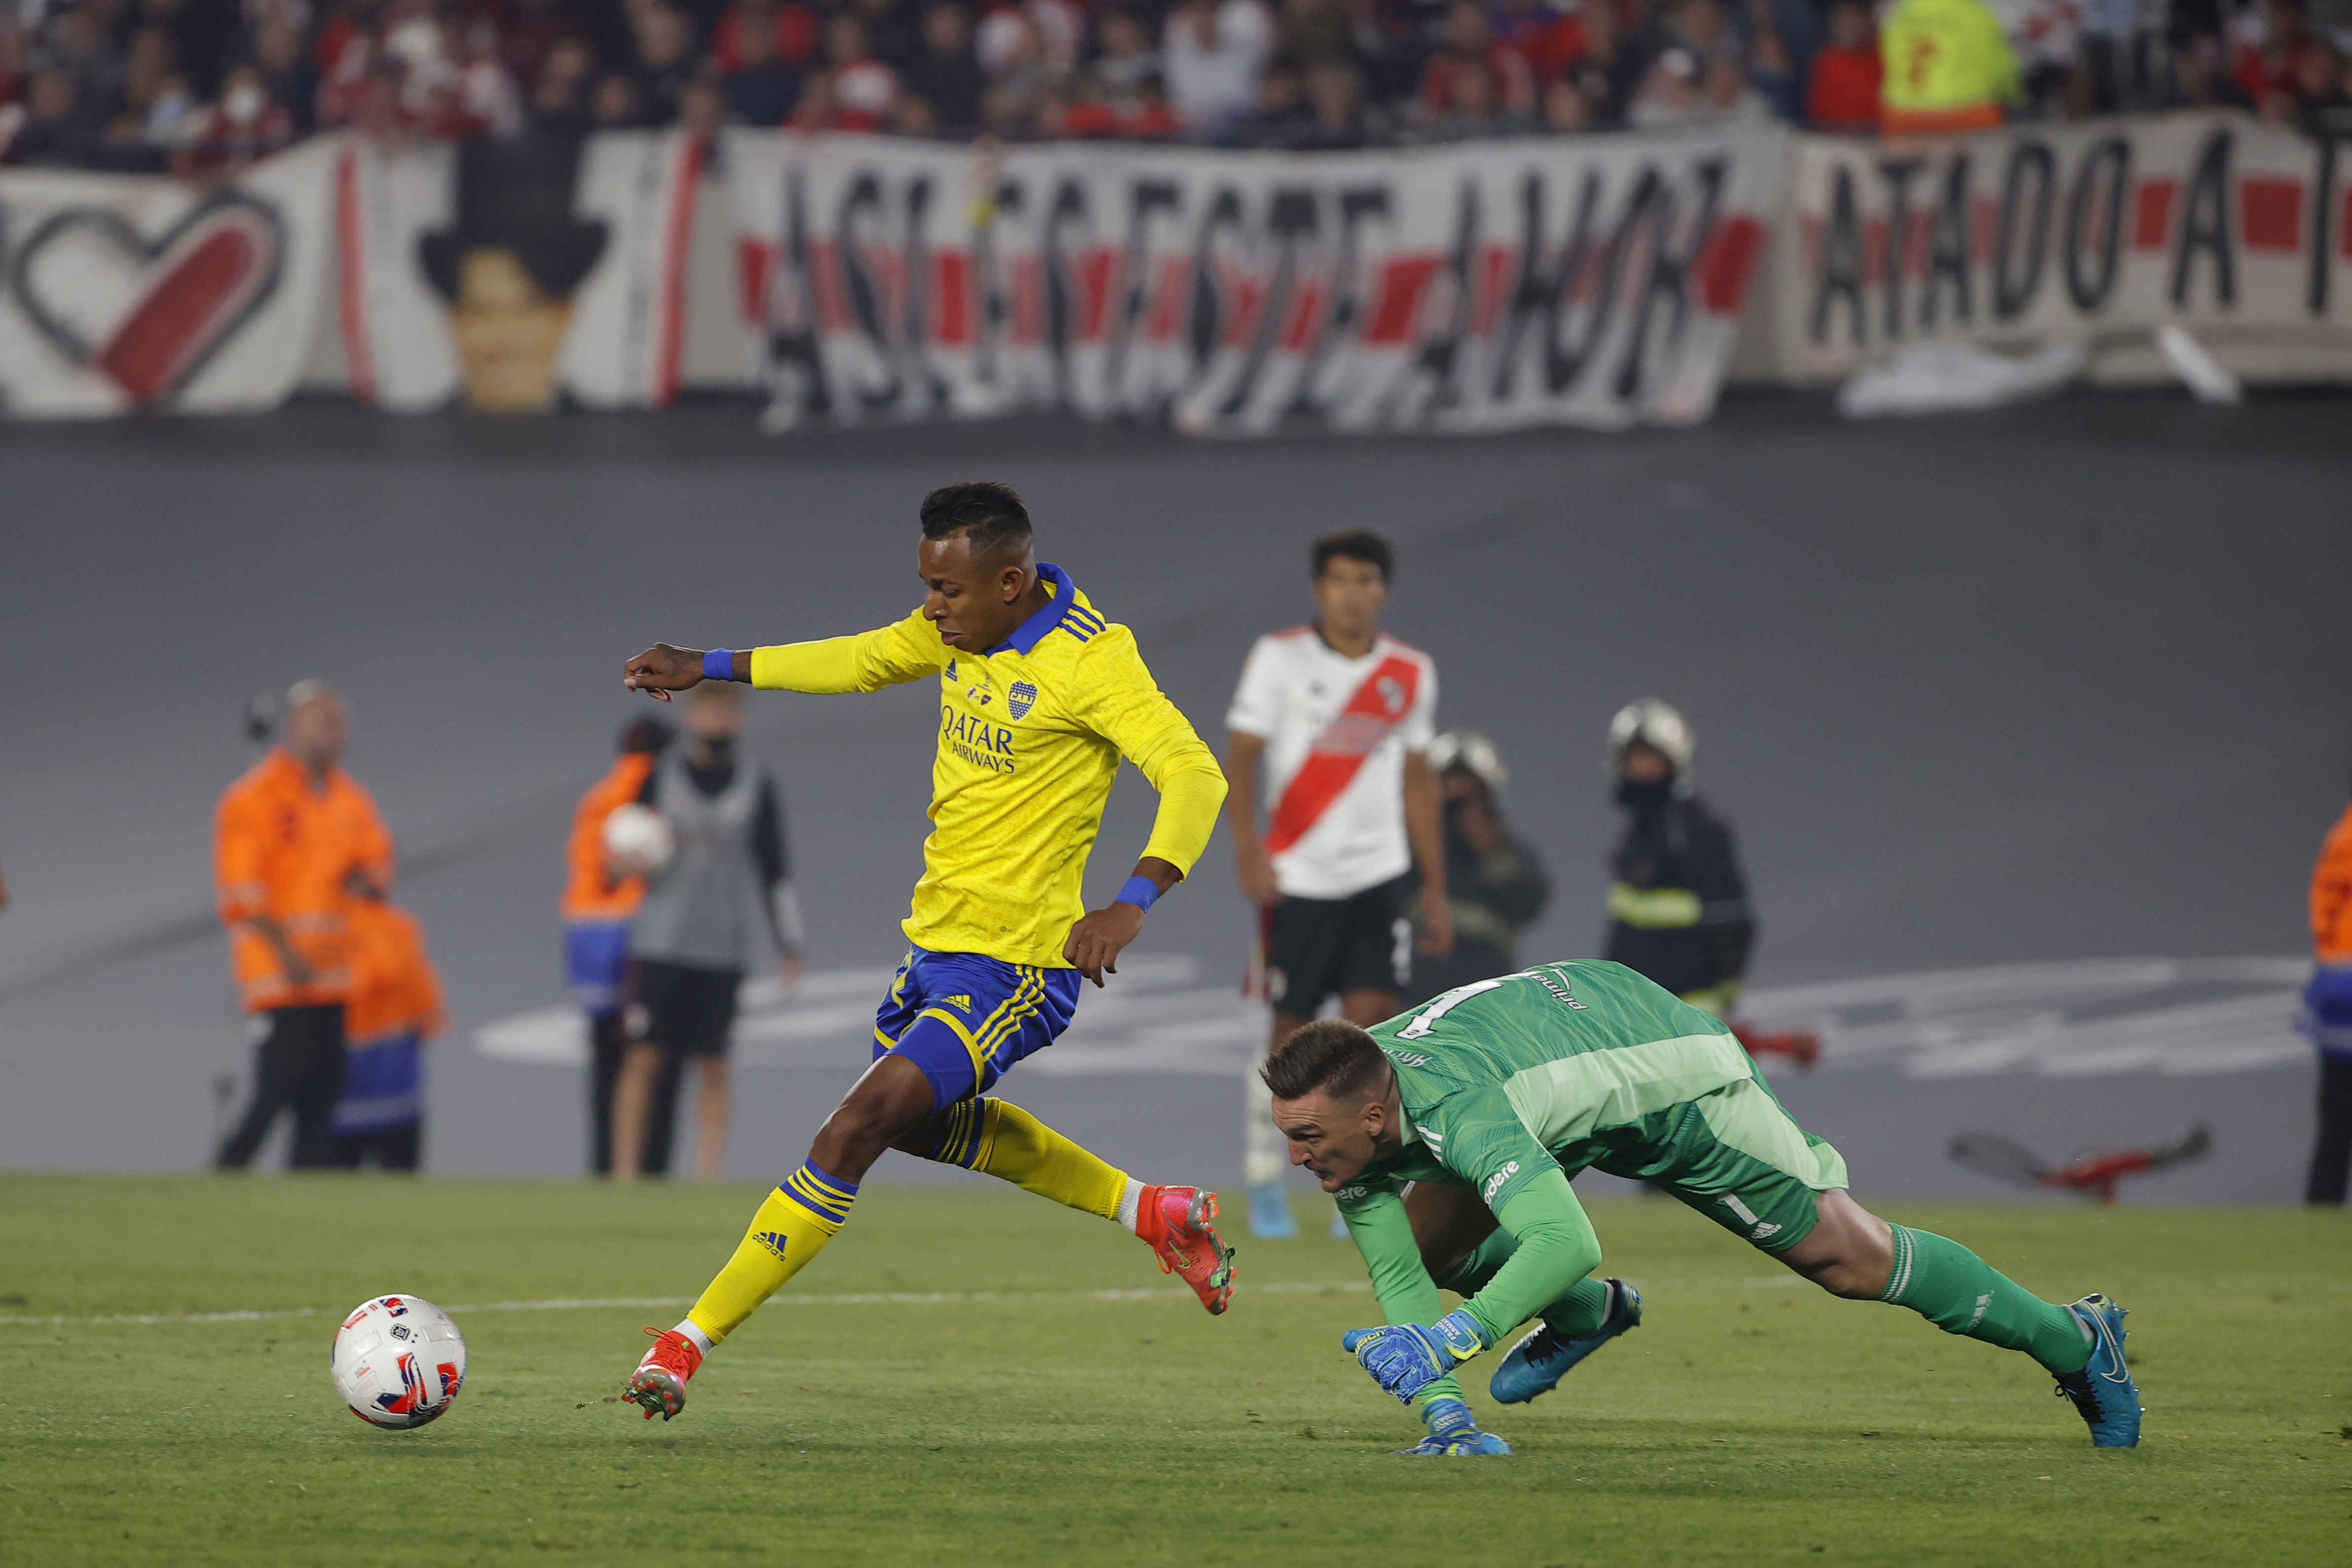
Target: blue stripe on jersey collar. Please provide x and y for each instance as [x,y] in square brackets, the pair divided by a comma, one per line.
[1031,632]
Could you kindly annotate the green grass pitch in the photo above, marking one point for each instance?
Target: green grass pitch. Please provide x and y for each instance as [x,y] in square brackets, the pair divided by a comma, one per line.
[1082,1411]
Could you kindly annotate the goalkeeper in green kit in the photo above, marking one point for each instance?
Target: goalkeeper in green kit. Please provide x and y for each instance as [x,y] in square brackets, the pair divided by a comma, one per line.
[1448,1135]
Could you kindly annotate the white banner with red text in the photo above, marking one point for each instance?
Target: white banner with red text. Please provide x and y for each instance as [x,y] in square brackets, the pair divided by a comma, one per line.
[2098,232]
[1594,281]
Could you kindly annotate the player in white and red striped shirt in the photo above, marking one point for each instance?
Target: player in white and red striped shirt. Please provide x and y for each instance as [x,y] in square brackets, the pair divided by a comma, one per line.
[1341,715]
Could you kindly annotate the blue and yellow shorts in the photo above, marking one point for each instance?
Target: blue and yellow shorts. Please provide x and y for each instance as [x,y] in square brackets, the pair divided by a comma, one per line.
[963,1019]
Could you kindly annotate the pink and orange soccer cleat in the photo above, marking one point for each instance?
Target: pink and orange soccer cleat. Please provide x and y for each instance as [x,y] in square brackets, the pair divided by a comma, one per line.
[1174,1222]
[659,1383]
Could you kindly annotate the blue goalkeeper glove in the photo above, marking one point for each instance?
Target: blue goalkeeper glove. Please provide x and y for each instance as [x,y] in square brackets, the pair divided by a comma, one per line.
[1406,1357]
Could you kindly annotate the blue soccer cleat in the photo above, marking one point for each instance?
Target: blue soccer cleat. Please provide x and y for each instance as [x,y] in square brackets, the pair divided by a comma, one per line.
[1453,1433]
[1270,1218]
[1537,1363]
[1462,1445]
[2103,1393]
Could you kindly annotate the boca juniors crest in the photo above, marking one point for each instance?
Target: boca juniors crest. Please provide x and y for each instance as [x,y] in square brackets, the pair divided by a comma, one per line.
[1021,698]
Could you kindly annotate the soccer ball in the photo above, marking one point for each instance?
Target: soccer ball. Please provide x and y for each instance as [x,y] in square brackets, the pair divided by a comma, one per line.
[398,1360]
[640,836]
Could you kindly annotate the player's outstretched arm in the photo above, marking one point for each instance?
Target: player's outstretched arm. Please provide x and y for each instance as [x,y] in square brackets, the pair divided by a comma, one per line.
[907,649]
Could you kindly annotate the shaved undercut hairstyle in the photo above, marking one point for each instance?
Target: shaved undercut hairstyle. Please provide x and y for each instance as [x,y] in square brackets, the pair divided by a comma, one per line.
[989,515]
[1329,1054]
[1355,544]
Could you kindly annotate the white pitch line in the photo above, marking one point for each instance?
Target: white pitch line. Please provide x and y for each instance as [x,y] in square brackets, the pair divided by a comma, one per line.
[579,1303]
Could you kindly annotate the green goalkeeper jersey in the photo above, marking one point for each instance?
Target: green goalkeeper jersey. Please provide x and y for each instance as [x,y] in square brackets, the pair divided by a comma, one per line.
[1512,1085]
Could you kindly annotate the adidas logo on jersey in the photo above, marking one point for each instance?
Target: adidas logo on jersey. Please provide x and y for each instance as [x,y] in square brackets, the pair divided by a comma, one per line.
[961,1004]
[771,1240]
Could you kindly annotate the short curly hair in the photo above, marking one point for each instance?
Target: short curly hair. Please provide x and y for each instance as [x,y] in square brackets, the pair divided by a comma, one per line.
[988,514]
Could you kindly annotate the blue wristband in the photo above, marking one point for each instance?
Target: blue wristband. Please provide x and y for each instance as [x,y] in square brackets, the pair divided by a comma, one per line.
[1140,891]
[719,664]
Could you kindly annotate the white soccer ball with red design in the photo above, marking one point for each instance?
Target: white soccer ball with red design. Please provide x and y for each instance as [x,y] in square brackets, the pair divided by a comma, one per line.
[639,839]
[398,1360]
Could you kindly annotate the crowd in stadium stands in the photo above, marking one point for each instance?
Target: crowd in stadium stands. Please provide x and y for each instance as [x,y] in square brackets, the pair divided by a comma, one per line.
[198,87]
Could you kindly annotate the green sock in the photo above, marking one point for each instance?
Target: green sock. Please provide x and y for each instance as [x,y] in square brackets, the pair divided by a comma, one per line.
[1582,1310]
[1960,1294]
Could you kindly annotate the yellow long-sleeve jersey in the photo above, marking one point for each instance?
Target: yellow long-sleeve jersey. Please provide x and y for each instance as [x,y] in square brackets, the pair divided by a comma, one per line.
[1029,737]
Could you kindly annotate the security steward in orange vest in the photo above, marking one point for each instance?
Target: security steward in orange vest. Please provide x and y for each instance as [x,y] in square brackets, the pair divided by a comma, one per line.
[396,1008]
[2327,1013]
[295,842]
[596,908]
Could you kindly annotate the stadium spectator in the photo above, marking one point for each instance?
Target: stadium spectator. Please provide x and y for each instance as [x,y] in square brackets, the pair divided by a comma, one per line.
[395,1008]
[794,26]
[693,934]
[615,103]
[53,133]
[1603,73]
[892,30]
[296,842]
[1212,54]
[2315,99]
[1011,47]
[1549,41]
[2327,1013]
[1502,85]
[1678,912]
[241,130]
[666,60]
[945,74]
[2198,78]
[600,898]
[1948,67]
[1844,91]
[2265,65]
[762,88]
[287,73]
[1495,884]
[558,100]
[1337,118]
[861,85]
[1312,32]
[1341,716]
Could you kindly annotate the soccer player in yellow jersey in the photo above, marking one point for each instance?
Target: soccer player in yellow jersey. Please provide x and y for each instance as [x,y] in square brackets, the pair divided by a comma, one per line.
[1039,698]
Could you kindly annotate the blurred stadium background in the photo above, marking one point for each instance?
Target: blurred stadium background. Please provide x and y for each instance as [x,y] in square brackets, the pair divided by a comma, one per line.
[2045,702]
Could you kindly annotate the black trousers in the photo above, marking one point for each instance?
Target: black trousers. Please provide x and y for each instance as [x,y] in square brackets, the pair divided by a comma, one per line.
[389,1148]
[608,1042]
[2331,1157]
[661,1117]
[297,1067]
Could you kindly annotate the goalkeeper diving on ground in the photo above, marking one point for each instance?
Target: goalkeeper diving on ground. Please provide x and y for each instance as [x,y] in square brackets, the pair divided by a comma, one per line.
[1448,1135]
[1040,696]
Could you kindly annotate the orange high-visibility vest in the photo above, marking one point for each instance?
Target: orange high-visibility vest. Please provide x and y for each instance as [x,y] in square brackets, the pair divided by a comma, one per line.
[589,892]
[394,990]
[284,844]
[2331,895]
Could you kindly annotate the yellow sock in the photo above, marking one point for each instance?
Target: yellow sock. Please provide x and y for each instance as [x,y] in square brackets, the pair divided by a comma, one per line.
[797,1219]
[1012,1145]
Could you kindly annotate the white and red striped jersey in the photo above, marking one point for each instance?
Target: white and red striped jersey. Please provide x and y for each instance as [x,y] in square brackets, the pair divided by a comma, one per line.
[1337,731]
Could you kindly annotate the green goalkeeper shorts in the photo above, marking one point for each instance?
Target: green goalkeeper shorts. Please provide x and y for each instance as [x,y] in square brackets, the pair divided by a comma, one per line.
[1735,1155]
